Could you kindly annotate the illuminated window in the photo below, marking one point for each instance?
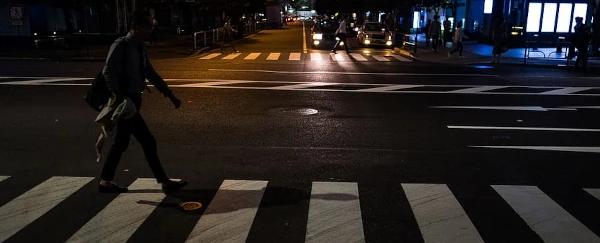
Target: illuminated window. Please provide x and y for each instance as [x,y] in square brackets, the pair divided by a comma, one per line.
[533,17]
[580,11]
[564,15]
[488,5]
[416,19]
[549,18]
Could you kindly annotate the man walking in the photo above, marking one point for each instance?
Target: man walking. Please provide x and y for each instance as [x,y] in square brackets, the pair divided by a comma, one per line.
[435,30]
[126,69]
[340,34]
[582,39]
[227,34]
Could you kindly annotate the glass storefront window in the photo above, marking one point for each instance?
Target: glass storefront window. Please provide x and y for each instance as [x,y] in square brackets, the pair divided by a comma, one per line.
[488,5]
[564,15]
[533,17]
[549,19]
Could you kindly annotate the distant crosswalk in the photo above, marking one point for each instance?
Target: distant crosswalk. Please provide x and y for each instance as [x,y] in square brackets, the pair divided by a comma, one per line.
[335,212]
[315,56]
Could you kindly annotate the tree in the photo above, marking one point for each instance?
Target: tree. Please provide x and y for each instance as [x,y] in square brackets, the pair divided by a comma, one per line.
[298,4]
[437,5]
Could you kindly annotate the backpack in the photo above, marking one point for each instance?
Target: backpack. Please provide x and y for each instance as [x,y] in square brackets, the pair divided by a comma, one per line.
[98,94]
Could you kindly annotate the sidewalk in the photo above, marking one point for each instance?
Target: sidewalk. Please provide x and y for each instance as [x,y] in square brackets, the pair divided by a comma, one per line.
[481,54]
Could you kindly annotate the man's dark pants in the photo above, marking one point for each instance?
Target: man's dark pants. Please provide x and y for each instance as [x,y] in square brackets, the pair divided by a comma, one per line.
[137,127]
[342,37]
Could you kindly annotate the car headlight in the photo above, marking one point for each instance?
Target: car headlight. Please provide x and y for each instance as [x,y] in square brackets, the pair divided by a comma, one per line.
[366,36]
[318,36]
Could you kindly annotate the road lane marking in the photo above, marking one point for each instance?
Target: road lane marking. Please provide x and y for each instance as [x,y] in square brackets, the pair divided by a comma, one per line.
[123,216]
[478,89]
[569,90]
[210,56]
[300,86]
[594,192]
[230,214]
[339,57]
[334,213]
[231,56]
[293,57]
[390,88]
[43,81]
[209,84]
[273,56]
[508,108]
[380,58]
[439,215]
[23,210]
[547,148]
[252,56]
[304,46]
[555,129]
[401,58]
[2,178]
[544,216]
[358,57]
[316,57]
[581,107]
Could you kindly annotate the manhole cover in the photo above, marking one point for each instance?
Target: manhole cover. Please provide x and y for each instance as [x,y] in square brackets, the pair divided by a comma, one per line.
[190,206]
[294,111]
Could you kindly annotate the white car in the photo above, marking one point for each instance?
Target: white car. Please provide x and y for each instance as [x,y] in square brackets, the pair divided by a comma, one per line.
[375,33]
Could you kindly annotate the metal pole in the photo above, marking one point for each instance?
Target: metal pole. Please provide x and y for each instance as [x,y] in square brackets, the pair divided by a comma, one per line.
[204,38]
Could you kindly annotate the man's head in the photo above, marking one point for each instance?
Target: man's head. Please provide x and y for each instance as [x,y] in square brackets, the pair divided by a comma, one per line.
[579,20]
[140,26]
[345,18]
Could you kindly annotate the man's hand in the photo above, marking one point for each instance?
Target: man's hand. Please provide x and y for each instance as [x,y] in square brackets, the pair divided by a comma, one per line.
[175,101]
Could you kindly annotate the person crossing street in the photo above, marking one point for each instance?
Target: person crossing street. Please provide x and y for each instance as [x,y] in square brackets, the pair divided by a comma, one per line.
[340,35]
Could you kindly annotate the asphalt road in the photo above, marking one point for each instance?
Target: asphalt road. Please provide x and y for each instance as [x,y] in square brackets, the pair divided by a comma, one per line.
[309,150]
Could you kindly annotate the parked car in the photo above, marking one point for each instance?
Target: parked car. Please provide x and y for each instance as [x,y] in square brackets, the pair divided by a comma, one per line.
[375,34]
[323,34]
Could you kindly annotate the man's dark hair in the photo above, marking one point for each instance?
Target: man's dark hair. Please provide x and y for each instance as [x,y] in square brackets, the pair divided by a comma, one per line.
[140,18]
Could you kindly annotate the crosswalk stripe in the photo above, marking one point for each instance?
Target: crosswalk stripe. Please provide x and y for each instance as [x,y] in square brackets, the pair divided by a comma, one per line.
[4,178]
[252,56]
[316,57]
[210,56]
[120,219]
[273,56]
[439,215]
[358,57]
[401,58]
[23,210]
[593,192]
[295,56]
[231,56]
[230,214]
[334,213]
[339,57]
[380,58]
[544,216]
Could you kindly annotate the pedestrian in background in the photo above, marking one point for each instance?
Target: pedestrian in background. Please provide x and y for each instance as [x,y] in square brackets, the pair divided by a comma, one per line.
[458,36]
[427,35]
[154,31]
[228,34]
[499,39]
[126,69]
[582,38]
[447,31]
[340,35]
[435,31]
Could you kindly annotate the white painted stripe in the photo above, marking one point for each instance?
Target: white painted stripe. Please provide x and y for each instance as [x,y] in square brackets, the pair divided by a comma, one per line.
[390,87]
[508,108]
[564,91]
[316,57]
[210,56]
[439,215]
[231,56]
[477,89]
[230,214]
[339,57]
[544,216]
[555,129]
[304,47]
[120,219]
[594,192]
[252,56]
[547,148]
[582,107]
[208,84]
[23,210]
[300,86]
[43,81]
[273,56]
[380,58]
[401,58]
[358,57]
[334,213]
[4,178]
[295,56]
